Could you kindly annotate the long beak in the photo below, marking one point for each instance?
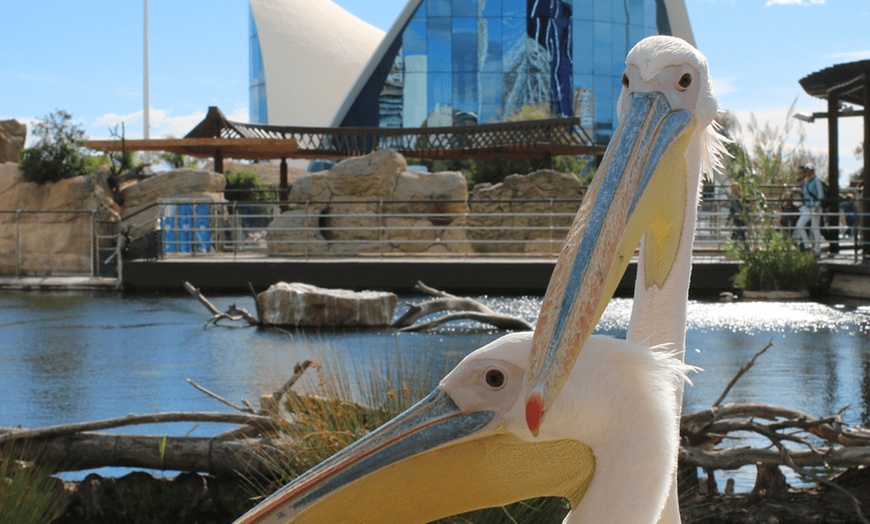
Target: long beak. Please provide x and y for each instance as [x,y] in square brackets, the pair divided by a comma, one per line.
[430,462]
[642,168]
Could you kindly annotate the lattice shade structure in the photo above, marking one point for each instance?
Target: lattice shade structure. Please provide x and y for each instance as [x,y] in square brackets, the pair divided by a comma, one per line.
[218,137]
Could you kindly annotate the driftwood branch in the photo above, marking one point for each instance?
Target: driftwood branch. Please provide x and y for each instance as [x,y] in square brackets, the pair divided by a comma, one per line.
[13,434]
[217,456]
[233,313]
[244,409]
[741,372]
[466,308]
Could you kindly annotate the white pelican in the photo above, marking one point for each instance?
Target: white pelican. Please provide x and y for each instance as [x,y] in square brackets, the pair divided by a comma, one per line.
[522,418]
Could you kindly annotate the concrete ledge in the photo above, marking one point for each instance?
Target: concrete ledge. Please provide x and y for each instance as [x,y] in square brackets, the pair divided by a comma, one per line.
[57,283]
[479,275]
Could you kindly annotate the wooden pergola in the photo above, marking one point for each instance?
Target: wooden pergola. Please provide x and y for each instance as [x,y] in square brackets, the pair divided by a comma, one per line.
[218,138]
[843,83]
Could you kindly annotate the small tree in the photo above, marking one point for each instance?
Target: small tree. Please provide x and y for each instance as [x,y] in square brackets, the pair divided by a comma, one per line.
[58,152]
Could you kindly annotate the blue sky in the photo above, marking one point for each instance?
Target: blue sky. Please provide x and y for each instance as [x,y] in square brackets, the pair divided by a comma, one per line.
[86,57]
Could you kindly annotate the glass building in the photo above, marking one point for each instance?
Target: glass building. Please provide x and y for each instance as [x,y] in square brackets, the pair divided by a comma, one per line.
[459,62]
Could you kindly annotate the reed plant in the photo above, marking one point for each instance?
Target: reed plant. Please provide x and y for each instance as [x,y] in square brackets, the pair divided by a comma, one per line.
[28,493]
[770,259]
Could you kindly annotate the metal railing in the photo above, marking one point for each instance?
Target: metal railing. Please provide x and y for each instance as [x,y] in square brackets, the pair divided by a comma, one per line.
[413,228]
[96,243]
[58,243]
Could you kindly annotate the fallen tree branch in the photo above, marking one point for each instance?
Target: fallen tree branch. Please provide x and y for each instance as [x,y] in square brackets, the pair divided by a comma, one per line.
[233,313]
[14,434]
[217,456]
[246,409]
[467,308]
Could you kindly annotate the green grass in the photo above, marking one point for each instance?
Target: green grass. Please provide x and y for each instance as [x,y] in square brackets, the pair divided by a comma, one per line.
[28,493]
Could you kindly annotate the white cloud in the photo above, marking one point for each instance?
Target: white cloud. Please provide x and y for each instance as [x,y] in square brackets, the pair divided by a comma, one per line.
[793,2]
[161,122]
[850,56]
[724,86]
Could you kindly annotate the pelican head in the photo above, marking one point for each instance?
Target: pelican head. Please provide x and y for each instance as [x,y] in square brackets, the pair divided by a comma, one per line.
[646,185]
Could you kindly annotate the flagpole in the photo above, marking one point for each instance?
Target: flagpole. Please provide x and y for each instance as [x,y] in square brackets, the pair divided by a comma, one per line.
[146,124]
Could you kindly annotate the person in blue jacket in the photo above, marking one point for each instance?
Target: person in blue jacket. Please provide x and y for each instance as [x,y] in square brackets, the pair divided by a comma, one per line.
[812,198]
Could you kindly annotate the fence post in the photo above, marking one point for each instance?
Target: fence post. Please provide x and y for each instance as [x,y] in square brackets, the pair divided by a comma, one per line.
[18,242]
[95,250]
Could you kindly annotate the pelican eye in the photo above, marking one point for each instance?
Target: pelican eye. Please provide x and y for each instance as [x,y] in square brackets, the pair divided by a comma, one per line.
[625,80]
[685,80]
[494,378]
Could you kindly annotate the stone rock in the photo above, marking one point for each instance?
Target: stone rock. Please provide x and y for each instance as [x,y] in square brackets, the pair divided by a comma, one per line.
[184,184]
[497,212]
[304,305]
[176,183]
[358,206]
[12,136]
[373,175]
[58,239]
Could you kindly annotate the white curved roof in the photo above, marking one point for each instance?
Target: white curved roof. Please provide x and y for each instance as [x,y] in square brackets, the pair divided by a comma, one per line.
[313,53]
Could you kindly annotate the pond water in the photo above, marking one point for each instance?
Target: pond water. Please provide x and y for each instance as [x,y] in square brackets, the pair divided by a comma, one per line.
[72,357]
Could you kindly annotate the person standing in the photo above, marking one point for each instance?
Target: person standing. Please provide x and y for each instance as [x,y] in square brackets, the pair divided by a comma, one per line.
[812,197]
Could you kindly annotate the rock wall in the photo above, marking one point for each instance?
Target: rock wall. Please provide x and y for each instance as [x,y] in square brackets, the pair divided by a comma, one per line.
[59,241]
[12,137]
[352,195]
[499,212]
[343,211]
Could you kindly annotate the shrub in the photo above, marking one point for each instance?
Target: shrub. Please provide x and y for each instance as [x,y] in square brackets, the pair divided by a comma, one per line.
[774,265]
[245,186]
[58,153]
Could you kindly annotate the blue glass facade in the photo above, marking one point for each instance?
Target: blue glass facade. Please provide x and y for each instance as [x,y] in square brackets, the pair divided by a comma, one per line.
[257,107]
[478,61]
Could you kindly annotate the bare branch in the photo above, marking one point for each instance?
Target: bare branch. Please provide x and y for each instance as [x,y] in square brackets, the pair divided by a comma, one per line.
[221,399]
[741,372]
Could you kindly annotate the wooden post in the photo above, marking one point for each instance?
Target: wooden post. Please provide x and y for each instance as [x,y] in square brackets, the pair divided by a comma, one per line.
[282,193]
[831,206]
[865,198]
[219,160]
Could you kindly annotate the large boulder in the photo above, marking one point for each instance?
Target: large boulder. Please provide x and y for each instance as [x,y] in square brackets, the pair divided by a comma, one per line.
[361,205]
[304,305]
[519,208]
[194,185]
[48,228]
[12,137]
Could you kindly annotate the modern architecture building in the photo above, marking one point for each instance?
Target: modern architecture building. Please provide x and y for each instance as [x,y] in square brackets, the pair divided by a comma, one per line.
[449,62]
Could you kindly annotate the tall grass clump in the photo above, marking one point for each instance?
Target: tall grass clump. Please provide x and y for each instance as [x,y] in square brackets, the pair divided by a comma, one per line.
[28,493]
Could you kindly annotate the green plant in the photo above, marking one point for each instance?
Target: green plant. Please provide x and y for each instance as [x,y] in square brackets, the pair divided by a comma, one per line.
[58,152]
[28,493]
[770,260]
[245,186]
[775,264]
